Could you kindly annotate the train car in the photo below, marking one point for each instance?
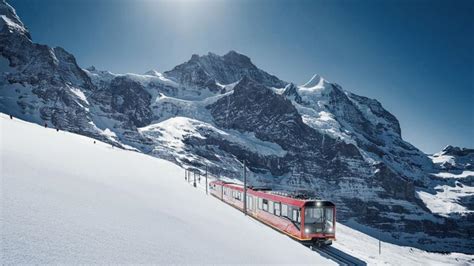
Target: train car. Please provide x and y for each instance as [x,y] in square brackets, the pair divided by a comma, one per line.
[310,221]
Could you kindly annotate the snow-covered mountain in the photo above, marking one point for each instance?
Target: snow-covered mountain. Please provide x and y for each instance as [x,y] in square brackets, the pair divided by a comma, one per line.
[218,111]
[451,191]
[210,71]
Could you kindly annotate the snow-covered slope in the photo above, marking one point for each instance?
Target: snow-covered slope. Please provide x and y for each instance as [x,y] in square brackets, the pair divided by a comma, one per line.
[67,200]
[366,248]
[452,183]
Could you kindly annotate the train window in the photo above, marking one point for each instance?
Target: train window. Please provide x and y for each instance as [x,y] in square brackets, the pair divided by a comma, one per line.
[265,205]
[329,216]
[284,210]
[270,207]
[313,215]
[277,208]
[236,195]
[249,202]
[260,203]
[296,215]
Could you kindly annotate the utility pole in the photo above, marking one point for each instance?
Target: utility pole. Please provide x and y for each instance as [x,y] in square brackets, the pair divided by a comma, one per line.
[206,179]
[380,247]
[245,190]
[380,244]
[194,184]
[185,174]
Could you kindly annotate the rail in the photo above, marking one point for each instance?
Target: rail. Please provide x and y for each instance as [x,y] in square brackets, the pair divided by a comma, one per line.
[338,256]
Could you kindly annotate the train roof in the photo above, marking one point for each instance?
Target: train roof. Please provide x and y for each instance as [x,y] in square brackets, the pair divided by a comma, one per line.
[292,198]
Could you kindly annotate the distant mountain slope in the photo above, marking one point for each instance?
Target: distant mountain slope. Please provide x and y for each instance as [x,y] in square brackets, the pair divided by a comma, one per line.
[218,111]
[39,83]
[452,183]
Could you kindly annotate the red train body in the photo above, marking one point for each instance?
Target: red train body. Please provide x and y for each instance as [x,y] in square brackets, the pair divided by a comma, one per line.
[308,221]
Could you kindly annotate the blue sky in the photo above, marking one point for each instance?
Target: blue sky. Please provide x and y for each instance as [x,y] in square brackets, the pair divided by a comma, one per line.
[415,57]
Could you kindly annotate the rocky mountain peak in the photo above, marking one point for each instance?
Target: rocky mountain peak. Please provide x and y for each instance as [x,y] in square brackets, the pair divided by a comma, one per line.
[226,69]
[233,56]
[152,72]
[456,151]
[194,57]
[10,22]
[316,81]
[291,92]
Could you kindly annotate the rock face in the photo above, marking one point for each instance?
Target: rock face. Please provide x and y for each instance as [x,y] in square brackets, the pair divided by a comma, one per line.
[291,92]
[453,175]
[454,158]
[45,83]
[205,71]
[221,110]
[128,99]
[254,108]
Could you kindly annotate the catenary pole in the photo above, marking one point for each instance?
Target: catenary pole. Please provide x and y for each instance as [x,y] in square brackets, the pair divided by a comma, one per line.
[206,179]
[245,190]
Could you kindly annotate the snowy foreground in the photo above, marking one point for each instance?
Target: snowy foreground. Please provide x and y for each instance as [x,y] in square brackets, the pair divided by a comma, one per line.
[67,200]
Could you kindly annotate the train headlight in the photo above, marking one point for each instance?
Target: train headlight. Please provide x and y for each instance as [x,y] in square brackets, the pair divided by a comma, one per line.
[318,204]
[330,229]
[307,231]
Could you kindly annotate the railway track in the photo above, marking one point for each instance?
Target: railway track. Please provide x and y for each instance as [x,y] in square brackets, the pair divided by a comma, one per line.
[338,256]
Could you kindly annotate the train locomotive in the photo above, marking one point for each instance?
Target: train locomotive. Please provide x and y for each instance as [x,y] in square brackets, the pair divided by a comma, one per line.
[309,221]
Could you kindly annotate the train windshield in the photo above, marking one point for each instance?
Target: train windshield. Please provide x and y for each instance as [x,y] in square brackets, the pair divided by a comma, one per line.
[319,219]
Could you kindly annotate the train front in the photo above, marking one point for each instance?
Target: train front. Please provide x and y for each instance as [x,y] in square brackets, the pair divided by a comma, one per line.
[319,222]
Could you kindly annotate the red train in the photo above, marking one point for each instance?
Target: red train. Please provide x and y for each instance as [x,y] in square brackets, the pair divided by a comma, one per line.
[312,222]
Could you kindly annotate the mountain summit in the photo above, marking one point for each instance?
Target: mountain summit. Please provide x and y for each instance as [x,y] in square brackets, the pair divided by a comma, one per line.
[315,81]
[207,70]
[9,20]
